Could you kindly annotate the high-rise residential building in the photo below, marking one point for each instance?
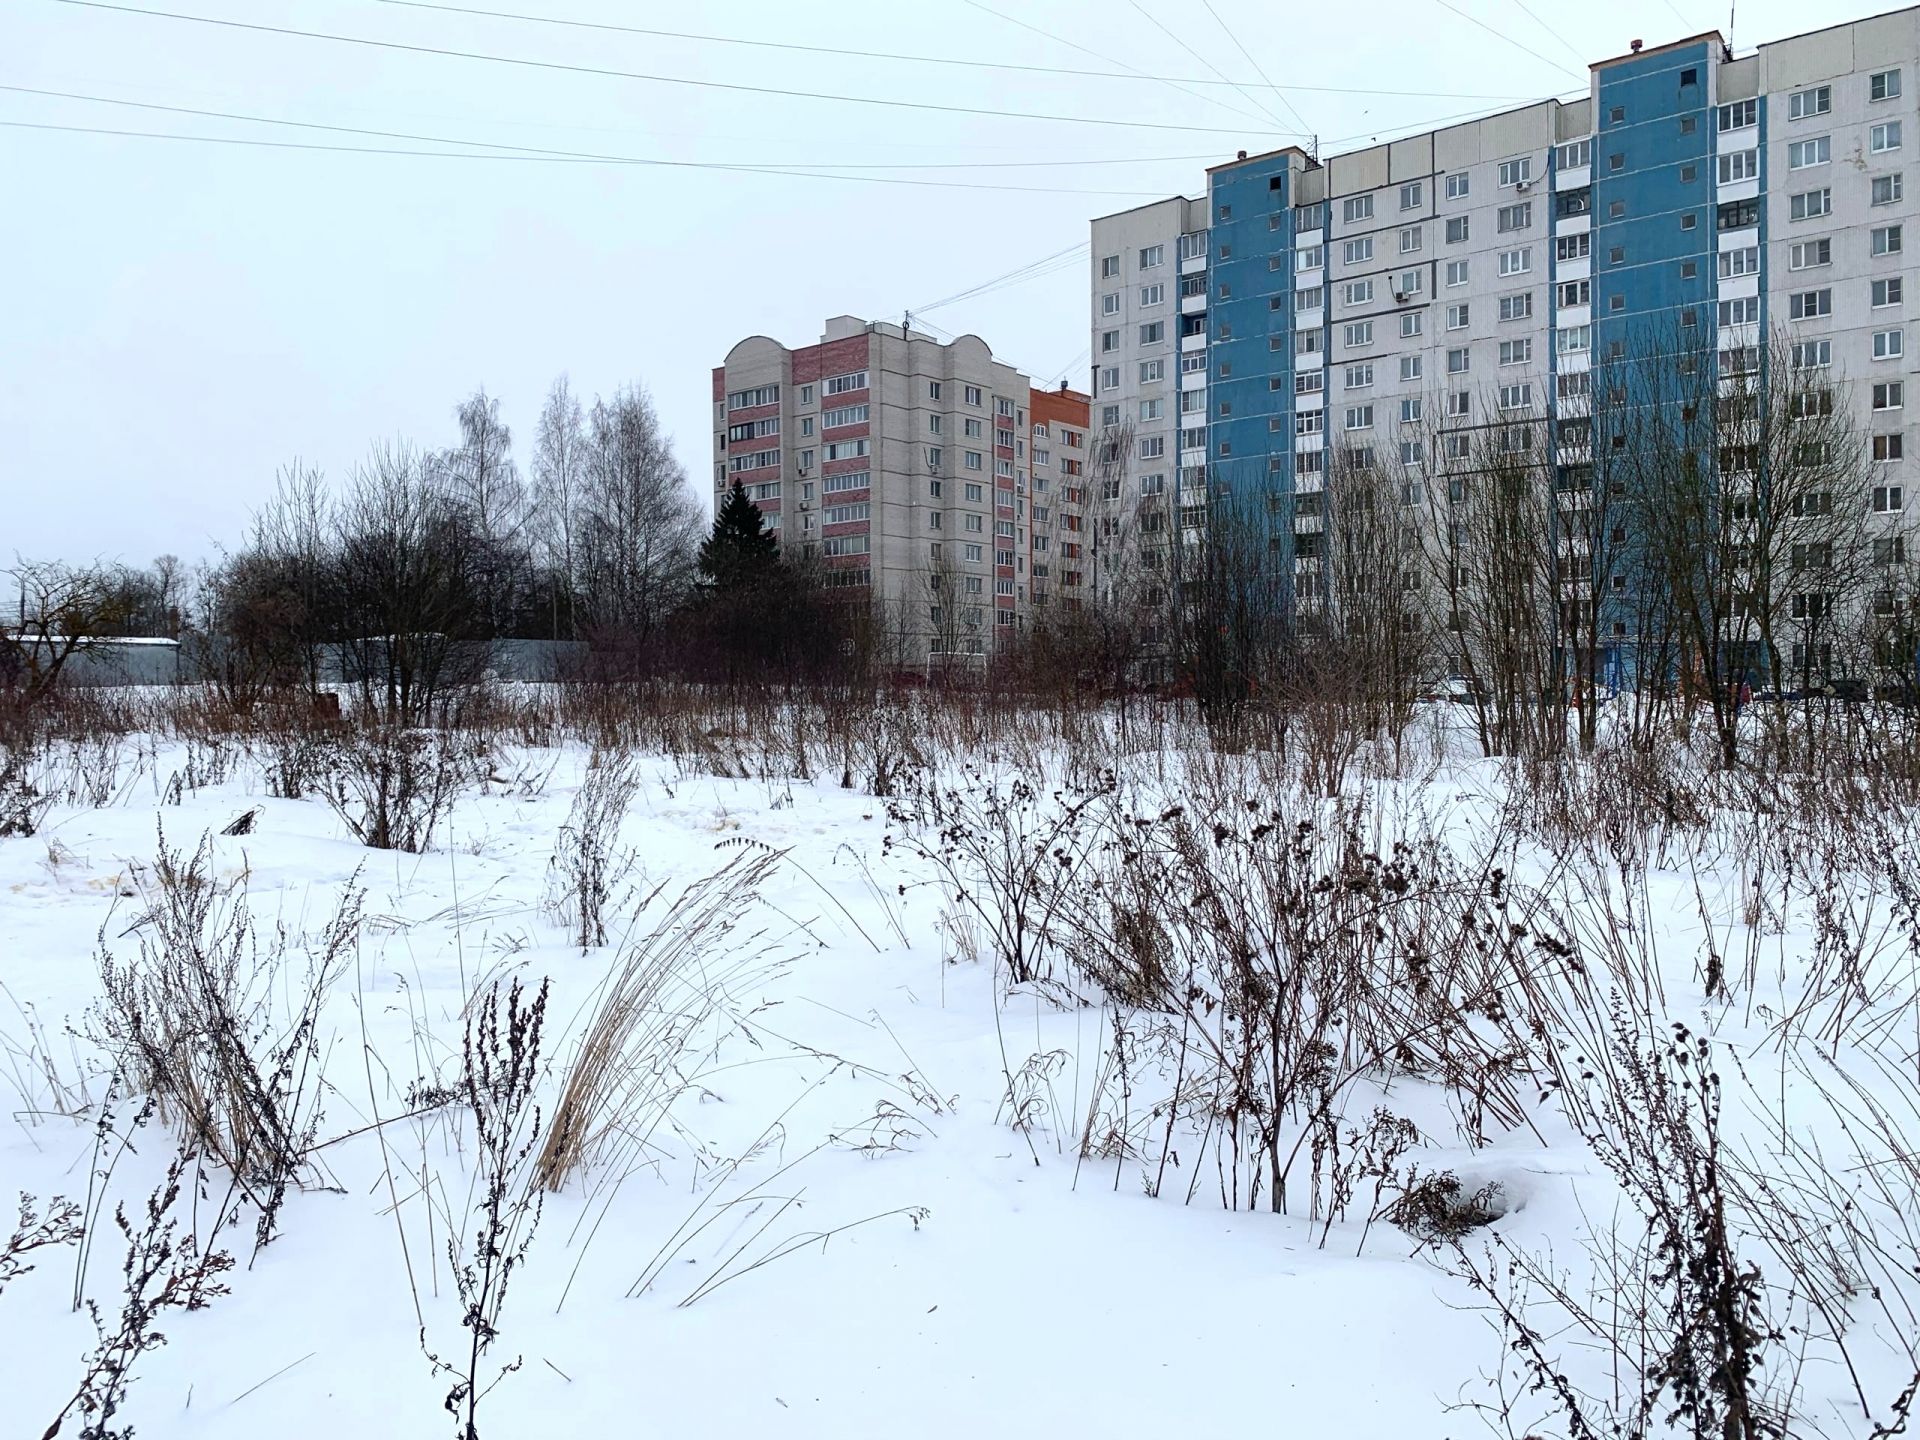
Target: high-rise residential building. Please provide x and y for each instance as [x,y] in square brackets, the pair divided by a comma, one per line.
[1473,288]
[930,477]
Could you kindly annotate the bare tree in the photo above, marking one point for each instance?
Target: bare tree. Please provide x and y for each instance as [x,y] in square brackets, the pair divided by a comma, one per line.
[560,460]
[479,475]
[61,609]
[640,523]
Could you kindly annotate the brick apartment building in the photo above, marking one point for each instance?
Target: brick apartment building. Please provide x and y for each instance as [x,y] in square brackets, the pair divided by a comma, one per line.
[932,477]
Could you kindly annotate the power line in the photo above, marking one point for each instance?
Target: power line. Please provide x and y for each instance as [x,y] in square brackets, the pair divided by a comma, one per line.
[1564,43]
[756,166]
[1033,269]
[1497,34]
[1258,68]
[840,51]
[541,159]
[731,86]
[1148,16]
[1074,45]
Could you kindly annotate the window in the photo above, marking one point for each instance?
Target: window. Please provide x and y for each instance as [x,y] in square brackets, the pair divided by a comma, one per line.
[1891,550]
[1516,352]
[846,545]
[1310,257]
[846,449]
[1884,137]
[1885,85]
[748,399]
[1152,447]
[1887,240]
[1411,323]
[1514,217]
[1516,397]
[1411,239]
[1457,230]
[1744,261]
[1689,221]
[1812,204]
[1886,292]
[1739,115]
[1886,189]
[1359,417]
[1154,333]
[1738,165]
[1192,243]
[1356,208]
[1411,195]
[1805,104]
[1457,316]
[1109,378]
[1311,298]
[1805,154]
[1516,172]
[1153,409]
[1358,333]
[1574,339]
[1574,154]
[1110,303]
[1517,307]
[1307,382]
[1809,304]
[1410,366]
[1412,452]
[1457,186]
[860,510]
[973,428]
[1456,272]
[1152,370]
[1459,404]
[1889,344]
[1573,247]
[1738,214]
[1889,395]
[1410,409]
[1358,377]
[1357,292]
[1457,361]
[1888,447]
[1812,354]
[1516,262]
[1888,499]
[1574,292]
[975,492]
[1152,295]
[1305,342]
[1109,266]
[1411,282]
[1152,255]
[1355,252]
[971,459]
[1309,422]
[1810,254]
[973,394]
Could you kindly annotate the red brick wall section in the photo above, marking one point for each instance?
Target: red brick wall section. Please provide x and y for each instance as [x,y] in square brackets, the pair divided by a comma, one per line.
[1059,407]
[719,382]
[836,357]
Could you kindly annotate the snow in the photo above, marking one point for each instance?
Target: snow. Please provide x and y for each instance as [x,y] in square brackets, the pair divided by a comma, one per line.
[980,1282]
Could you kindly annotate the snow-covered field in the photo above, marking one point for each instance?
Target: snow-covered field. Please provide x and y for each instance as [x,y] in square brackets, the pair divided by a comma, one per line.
[887,1191]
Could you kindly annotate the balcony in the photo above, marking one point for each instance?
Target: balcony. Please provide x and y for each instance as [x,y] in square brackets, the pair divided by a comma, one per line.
[1194,342]
[1193,304]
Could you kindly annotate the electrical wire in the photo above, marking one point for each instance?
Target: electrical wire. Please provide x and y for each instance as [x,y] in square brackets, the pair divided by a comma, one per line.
[1445,4]
[1074,45]
[1151,19]
[1259,69]
[722,85]
[757,166]
[1031,270]
[841,52]
[543,159]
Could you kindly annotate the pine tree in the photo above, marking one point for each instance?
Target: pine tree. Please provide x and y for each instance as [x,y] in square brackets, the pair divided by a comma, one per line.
[741,550]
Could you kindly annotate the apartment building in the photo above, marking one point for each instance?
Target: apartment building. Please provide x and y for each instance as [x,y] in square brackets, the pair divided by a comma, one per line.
[1424,291]
[929,477]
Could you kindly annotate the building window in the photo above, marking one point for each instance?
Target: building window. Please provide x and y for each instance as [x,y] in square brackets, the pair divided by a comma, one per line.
[1109,267]
[1516,352]
[1358,377]
[1805,154]
[1411,195]
[1411,324]
[1514,217]
[1573,247]
[1357,292]
[1517,307]
[1458,361]
[1884,85]
[1359,417]
[1886,292]
[1810,254]
[1886,189]
[1810,304]
[1411,239]
[1358,333]
[1805,104]
[1152,295]
[1812,204]
[1152,255]
[1889,394]
[1517,171]
[1356,252]
[1575,292]
[1889,447]
[1153,334]
[1739,114]
[1889,344]
[1456,272]
[1356,208]
[1457,230]
[1884,137]
[1737,165]
[1516,262]
[1886,240]
[1744,261]
[1808,354]
[1457,316]
[1888,499]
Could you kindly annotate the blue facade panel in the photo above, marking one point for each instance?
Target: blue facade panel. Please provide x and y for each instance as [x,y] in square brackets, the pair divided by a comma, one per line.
[1250,419]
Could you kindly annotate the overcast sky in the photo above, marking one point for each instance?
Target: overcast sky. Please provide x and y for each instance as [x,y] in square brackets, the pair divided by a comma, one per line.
[179,318]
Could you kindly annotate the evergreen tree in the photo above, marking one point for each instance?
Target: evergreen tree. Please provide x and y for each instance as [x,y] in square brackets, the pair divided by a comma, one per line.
[741,550]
